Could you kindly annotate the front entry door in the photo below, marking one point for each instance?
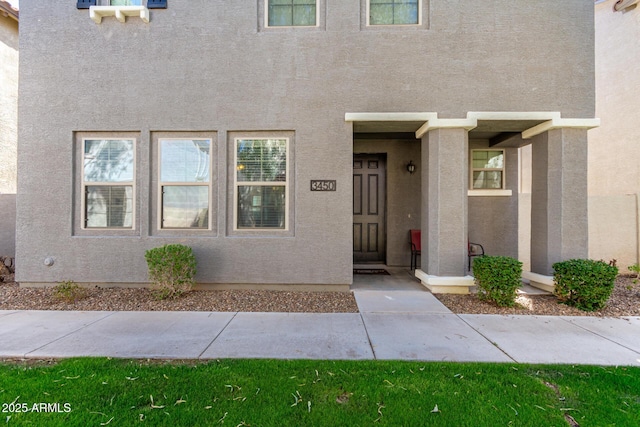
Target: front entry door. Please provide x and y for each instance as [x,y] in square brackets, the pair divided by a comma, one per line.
[369,233]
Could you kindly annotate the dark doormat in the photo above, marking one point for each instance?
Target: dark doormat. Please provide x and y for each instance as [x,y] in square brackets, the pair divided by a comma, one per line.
[371,271]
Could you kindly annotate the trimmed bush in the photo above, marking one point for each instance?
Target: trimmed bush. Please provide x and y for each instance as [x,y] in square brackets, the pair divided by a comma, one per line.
[584,283]
[172,270]
[498,279]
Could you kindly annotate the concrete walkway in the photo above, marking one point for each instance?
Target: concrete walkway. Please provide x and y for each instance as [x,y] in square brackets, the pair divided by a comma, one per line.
[404,325]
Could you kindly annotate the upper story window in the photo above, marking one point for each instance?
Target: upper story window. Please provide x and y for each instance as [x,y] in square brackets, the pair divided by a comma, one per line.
[123,3]
[487,169]
[185,180]
[394,12]
[150,4]
[292,13]
[108,176]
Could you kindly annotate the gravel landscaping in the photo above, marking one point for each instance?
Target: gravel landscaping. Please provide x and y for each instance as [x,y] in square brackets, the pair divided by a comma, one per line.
[12,297]
[625,301]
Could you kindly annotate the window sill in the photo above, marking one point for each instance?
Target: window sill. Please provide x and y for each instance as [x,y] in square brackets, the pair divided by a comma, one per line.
[490,193]
[290,28]
[393,27]
[96,13]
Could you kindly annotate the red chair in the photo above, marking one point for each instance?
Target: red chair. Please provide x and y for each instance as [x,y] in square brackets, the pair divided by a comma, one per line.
[415,236]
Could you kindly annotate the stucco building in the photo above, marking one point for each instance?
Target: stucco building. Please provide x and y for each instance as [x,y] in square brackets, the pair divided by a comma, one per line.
[614,148]
[274,137]
[9,17]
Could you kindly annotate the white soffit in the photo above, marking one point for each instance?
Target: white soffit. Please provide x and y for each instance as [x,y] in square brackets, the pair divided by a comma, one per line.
[389,117]
[513,115]
[559,124]
[467,124]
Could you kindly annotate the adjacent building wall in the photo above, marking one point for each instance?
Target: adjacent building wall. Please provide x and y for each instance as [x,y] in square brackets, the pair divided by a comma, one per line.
[8,130]
[209,67]
[614,147]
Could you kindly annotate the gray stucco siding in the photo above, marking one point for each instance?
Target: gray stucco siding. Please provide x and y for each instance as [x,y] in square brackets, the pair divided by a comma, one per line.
[501,60]
[208,68]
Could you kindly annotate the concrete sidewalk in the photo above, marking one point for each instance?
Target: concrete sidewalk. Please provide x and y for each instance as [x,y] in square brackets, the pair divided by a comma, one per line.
[403,325]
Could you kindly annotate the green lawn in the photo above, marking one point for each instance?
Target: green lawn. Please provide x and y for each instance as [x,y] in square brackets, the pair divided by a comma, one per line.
[99,392]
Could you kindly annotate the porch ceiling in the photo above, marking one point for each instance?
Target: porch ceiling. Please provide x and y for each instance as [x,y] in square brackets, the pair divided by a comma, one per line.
[499,132]
[490,129]
[503,128]
[387,127]
[504,133]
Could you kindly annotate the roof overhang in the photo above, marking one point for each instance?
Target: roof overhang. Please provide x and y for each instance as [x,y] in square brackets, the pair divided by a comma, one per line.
[504,128]
[9,11]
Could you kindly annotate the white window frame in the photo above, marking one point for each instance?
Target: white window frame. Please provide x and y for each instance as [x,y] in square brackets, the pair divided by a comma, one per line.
[84,184]
[503,184]
[285,183]
[369,24]
[162,184]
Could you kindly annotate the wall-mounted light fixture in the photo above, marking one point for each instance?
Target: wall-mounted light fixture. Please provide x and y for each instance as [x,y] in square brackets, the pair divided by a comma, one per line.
[411,167]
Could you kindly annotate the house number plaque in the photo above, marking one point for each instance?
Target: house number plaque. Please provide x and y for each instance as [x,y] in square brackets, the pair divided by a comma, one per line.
[323,185]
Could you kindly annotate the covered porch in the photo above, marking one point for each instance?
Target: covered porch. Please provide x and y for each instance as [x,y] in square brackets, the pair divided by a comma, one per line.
[400,279]
[551,227]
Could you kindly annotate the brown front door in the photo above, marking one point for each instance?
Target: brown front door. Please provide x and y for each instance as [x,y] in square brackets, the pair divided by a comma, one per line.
[369,191]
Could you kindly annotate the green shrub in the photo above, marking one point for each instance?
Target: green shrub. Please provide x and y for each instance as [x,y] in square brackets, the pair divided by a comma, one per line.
[498,279]
[584,283]
[69,291]
[172,269]
[635,268]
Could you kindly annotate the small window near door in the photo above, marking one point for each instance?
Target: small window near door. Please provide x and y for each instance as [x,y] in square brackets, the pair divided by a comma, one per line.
[487,169]
[261,183]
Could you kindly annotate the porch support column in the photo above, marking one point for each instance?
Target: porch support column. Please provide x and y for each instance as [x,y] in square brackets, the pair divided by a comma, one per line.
[445,180]
[559,198]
